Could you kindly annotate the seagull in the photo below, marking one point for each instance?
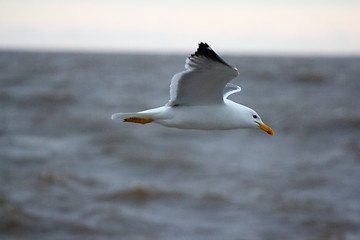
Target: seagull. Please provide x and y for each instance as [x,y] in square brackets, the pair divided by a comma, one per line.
[199,98]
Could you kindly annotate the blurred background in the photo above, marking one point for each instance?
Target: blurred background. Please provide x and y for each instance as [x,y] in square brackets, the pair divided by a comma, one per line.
[67,171]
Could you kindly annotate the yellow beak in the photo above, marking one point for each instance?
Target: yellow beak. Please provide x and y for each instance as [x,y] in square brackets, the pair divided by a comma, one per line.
[266,128]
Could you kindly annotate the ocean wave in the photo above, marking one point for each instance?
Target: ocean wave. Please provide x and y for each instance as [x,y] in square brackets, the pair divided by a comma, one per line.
[309,77]
[141,194]
[17,223]
[46,99]
[14,218]
[64,180]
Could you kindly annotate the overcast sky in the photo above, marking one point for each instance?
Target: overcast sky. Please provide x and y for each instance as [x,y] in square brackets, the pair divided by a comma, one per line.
[248,26]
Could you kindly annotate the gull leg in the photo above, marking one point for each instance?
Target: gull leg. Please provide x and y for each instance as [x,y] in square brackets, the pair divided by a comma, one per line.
[139,120]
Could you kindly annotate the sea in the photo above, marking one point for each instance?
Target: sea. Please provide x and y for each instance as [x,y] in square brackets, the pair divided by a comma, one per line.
[69,172]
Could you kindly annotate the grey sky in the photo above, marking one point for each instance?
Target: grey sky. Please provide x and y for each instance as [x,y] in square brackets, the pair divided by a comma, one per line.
[304,27]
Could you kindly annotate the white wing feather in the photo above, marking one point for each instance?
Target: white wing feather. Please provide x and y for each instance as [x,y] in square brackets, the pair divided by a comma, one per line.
[203,81]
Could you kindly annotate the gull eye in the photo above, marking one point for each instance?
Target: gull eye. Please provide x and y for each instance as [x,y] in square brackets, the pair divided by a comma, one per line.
[254,116]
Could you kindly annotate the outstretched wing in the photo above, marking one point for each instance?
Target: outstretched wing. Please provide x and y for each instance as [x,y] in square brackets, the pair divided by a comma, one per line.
[203,80]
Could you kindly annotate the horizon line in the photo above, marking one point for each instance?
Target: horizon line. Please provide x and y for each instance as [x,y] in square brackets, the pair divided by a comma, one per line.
[156,51]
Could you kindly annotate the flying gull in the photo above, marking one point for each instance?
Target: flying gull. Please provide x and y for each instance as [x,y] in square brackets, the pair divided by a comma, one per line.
[199,98]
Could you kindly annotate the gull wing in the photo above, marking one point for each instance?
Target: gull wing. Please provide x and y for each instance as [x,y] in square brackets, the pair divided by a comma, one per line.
[203,81]
[229,89]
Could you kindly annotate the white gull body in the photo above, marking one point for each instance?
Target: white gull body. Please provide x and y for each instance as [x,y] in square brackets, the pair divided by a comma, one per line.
[198,98]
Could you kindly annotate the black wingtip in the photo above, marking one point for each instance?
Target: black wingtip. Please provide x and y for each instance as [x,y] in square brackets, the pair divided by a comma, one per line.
[205,50]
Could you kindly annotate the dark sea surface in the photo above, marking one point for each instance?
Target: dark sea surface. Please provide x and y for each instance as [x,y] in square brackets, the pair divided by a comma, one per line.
[67,171]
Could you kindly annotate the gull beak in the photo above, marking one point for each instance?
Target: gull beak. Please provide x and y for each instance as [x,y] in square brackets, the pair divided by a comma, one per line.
[266,128]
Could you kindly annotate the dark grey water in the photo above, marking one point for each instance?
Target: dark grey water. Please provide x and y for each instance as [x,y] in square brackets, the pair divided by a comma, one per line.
[68,172]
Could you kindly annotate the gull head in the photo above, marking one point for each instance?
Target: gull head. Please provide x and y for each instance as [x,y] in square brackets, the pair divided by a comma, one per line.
[255,121]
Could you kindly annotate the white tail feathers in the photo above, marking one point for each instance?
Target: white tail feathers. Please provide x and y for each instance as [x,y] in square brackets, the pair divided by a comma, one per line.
[116,115]
[124,115]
